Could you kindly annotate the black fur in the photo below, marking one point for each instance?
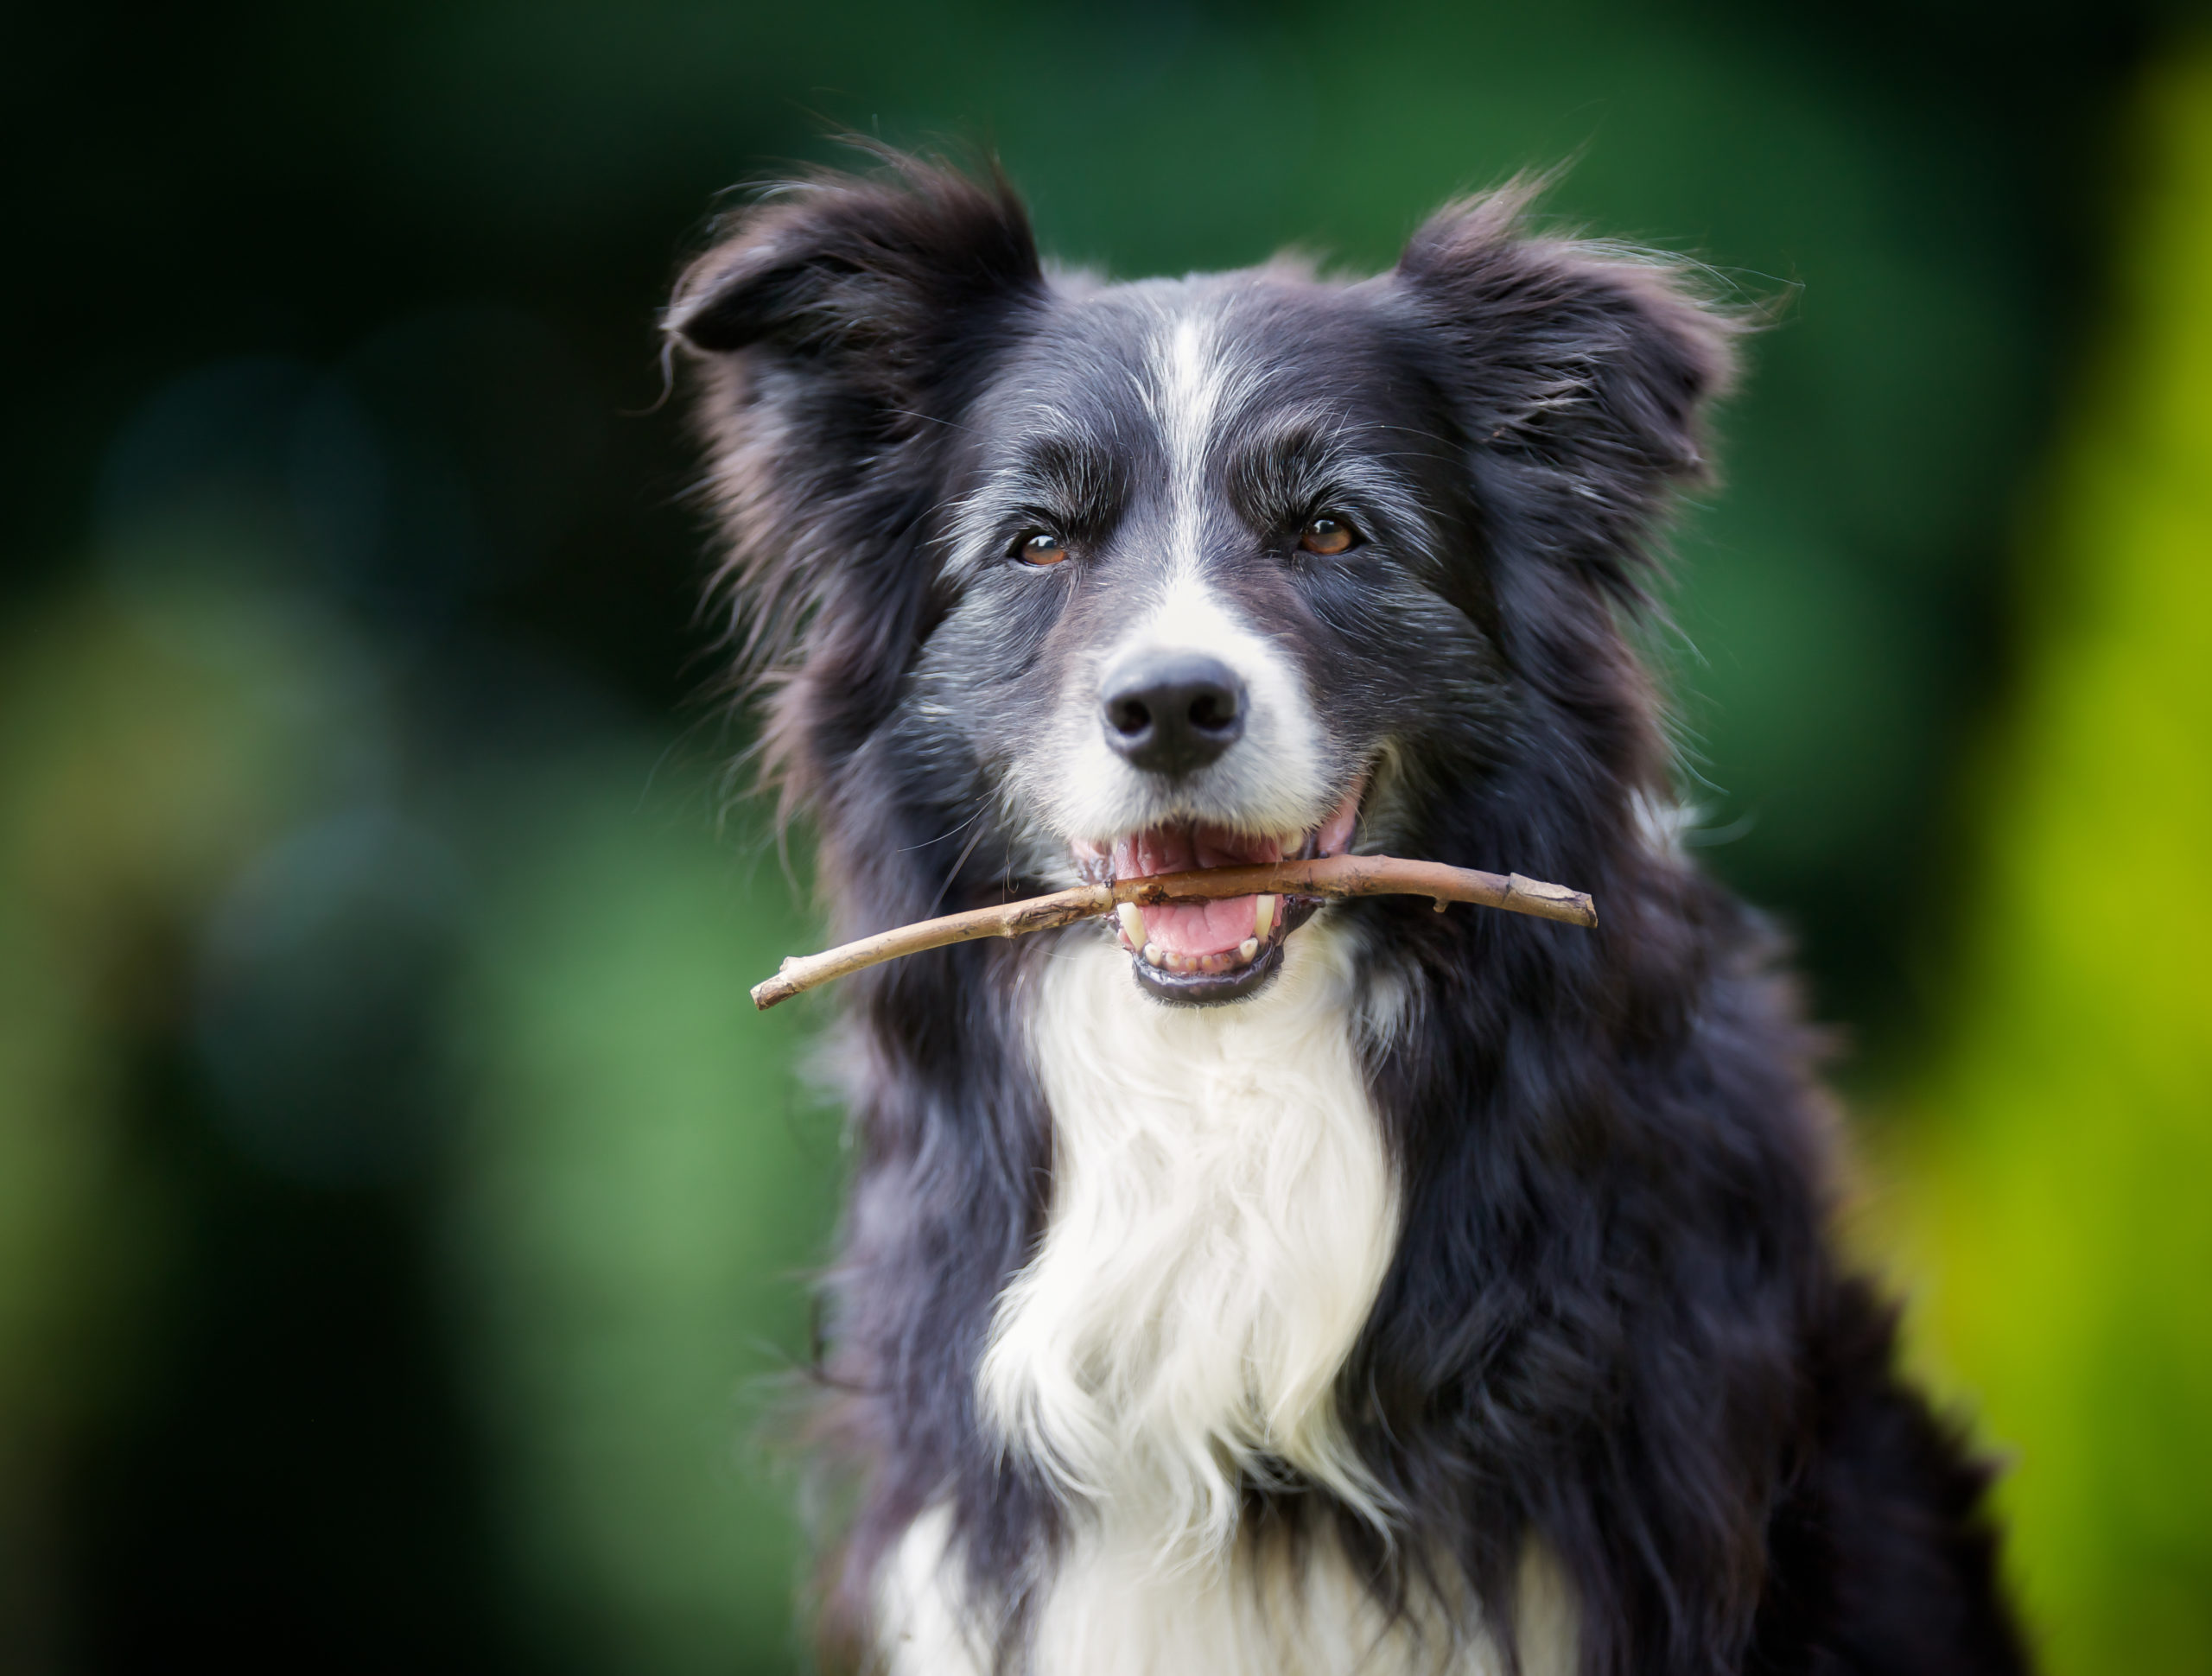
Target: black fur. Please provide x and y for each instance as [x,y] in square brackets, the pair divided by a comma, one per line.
[1614,1319]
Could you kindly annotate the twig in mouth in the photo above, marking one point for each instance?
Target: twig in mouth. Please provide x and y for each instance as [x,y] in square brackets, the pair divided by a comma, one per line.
[1333,877]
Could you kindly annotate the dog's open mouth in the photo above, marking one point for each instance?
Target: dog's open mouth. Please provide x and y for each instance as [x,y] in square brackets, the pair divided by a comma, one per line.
[1202,952]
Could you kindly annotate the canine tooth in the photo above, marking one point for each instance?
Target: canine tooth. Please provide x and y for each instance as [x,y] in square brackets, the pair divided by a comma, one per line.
[1132,919]
[1247,949]
[1264,922]
[1152,955]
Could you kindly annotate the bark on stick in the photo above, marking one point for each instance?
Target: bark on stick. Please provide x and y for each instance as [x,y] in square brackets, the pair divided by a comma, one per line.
[1333,877]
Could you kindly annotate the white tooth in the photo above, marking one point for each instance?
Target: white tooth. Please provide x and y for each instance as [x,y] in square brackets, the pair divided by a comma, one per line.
[1152,956]
[1132,919]
[1265,922]
[1247,949]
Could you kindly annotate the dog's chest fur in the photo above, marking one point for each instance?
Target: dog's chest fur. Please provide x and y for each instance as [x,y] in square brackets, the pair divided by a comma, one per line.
[1223,1213]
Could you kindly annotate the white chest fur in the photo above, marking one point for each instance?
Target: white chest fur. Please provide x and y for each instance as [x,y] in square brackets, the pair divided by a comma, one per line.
[1223,1213]
[1114,1610]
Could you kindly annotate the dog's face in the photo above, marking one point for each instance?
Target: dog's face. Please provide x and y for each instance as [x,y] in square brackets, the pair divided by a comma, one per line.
[1201,565]
[1177,574]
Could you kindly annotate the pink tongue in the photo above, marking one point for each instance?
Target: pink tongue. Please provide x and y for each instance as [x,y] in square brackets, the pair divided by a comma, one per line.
[1201,928]
[1195,927]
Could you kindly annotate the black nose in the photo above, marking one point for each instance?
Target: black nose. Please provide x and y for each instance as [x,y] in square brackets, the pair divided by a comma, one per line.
[1170,713]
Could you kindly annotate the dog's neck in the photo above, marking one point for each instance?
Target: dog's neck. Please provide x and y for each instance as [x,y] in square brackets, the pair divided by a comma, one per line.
[1223,1212]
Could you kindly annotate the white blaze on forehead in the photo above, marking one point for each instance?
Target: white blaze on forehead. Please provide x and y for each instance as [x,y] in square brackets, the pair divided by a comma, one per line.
[1192,387]
[1187,387]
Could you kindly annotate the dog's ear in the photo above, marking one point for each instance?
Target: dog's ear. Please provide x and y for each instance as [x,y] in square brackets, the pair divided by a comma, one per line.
[1580,369]
[862,277]
[841,327]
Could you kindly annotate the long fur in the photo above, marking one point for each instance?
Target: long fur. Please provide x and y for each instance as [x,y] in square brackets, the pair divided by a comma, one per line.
[1225,1185]
[1468,1287]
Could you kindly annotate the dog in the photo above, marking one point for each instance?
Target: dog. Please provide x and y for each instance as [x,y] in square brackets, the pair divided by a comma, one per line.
[1263,1285]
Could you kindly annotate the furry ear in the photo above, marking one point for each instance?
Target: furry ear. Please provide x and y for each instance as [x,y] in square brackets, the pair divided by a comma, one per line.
[1587,366]
[839,327]
[865,274]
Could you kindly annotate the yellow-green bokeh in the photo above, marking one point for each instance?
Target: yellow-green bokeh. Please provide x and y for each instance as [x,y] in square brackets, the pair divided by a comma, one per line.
[2052,1181]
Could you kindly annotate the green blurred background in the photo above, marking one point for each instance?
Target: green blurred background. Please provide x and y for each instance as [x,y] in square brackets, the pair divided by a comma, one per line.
[403,1216]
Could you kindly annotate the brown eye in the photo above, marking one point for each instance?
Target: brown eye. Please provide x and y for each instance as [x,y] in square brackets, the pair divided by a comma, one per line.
[1326,535]
[1041,549]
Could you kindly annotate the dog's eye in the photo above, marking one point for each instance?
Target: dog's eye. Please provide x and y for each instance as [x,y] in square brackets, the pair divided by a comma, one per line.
[1040,549]
[1327,535]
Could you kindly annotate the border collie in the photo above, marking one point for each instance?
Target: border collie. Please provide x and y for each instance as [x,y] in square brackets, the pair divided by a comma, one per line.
[1257,1285]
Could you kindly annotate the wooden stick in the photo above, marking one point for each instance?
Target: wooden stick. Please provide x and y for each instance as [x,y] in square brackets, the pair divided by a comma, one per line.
[1333,877]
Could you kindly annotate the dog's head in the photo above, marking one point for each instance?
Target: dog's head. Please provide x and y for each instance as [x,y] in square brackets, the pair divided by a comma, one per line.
[1053,577]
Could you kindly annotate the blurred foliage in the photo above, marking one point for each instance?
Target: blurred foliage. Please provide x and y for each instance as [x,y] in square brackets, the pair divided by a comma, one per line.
[629,1216]
[401,1209]
[2053,1191]
[132,776]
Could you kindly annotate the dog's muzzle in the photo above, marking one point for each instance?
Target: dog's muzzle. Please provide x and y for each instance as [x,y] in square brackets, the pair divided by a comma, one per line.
[1173,713]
